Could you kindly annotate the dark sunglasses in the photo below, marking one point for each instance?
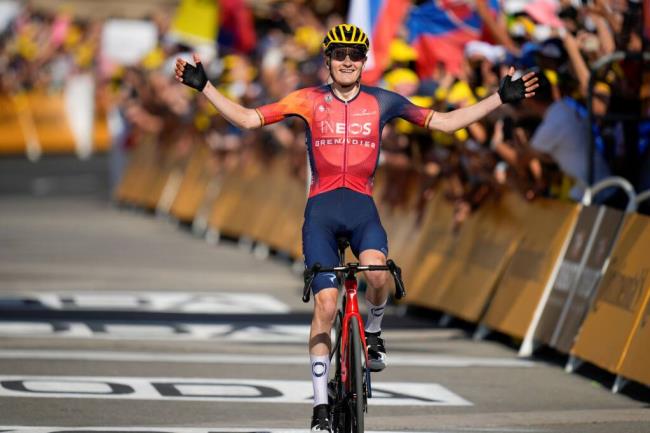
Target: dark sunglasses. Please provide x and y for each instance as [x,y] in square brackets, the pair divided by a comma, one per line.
[602,97]
[356,55]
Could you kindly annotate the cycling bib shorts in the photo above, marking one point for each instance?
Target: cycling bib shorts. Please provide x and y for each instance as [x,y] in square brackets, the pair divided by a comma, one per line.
[336,213]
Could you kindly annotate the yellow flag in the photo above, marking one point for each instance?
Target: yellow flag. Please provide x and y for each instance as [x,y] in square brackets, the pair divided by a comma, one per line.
[196,21]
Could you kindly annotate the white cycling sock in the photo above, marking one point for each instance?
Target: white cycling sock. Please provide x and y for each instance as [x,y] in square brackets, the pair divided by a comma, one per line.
[320,367]
[375,314]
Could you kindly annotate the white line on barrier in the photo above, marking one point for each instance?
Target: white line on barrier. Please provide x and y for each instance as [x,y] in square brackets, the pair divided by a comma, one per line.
[211,389]
[218,358]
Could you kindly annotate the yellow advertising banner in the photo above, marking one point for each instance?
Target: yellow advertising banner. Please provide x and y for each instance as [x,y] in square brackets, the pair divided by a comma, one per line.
[409,258]
[287,233]
[239,221]
[615,329]
[150,174]
[101,133]
[194,184]
[485,246]
[547,225]
[36,123]
[457,271]
[52,128]
[271,195]
[264,196]
[173,157]
[399,216]
[12,137]
[231,199]
[425,281]
[139,158]
[195,21]
[636,362]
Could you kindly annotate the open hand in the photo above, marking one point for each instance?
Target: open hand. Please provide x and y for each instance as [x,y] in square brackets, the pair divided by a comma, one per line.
[193,76]
[513,91]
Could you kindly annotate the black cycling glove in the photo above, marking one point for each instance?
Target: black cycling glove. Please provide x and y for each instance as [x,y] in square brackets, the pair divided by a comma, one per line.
[511,91]
[194,76]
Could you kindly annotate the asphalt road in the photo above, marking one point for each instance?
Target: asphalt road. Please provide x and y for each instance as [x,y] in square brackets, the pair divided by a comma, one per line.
[113,320]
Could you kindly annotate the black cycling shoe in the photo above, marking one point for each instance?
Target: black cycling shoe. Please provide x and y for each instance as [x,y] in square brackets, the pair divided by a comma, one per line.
[376,351]
[320,419]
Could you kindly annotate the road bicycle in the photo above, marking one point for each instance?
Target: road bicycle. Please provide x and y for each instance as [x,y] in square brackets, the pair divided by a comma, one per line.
[350,387]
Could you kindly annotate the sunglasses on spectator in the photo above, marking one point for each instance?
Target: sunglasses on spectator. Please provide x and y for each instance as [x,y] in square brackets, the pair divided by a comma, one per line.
[602,97]
[356,55]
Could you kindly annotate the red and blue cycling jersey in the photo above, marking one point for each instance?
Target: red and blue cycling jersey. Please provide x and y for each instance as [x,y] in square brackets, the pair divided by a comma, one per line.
[343,138]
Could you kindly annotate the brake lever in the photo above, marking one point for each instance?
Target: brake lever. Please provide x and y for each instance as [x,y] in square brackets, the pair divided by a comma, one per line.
[309,276]
[396,271]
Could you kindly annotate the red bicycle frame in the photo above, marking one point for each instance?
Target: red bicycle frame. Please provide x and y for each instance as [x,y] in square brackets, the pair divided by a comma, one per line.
[344,415]
[351,310]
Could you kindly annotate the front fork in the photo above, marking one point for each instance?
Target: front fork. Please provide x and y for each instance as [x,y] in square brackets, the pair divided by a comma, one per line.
[351,310]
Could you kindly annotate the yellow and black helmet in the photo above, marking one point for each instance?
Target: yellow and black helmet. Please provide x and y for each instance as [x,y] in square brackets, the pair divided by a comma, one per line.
[346,34]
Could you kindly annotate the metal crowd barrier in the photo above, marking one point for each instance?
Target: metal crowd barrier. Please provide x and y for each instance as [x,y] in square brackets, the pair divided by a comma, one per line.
[564,304]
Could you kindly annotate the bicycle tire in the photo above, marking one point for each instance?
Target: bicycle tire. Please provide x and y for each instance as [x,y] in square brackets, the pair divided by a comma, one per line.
[336,338]
[335,391]
[356,371]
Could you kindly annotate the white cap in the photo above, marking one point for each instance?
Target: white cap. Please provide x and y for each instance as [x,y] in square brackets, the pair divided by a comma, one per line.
[492,53]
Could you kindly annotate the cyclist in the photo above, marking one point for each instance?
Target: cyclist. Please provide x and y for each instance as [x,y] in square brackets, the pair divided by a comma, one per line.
[344,121]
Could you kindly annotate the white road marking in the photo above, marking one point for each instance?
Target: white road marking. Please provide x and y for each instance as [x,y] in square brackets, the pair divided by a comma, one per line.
[141,275]
[219,358]
[25,429]
[170,331]
[210,389]
[206,303]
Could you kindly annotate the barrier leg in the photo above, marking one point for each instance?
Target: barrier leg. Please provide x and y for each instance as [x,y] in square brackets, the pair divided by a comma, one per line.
[573,364]
[401,310]
[199,227]
[528,348]
[175,221]
[298,267]
[245,243]
[619,384]
[445,320]
[212,236]
[261,251]
[481,332]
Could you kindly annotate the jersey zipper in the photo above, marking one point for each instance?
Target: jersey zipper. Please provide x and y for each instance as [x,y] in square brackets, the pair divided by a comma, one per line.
[345,144]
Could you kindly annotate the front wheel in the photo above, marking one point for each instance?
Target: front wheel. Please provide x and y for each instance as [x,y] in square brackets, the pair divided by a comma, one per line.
[356,371]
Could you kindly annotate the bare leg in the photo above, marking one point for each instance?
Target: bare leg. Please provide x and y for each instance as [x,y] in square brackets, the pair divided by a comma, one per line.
[378,286]
[320,343]
[376,297]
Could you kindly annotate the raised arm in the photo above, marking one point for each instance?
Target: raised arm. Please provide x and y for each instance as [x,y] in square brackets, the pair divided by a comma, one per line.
[509,91]
[496,27]
[194,76]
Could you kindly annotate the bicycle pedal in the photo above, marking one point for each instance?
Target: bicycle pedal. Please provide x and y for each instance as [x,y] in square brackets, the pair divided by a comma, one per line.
[376,365]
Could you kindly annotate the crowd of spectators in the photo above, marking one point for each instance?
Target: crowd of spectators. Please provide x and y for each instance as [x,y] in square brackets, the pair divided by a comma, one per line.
[539,147]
